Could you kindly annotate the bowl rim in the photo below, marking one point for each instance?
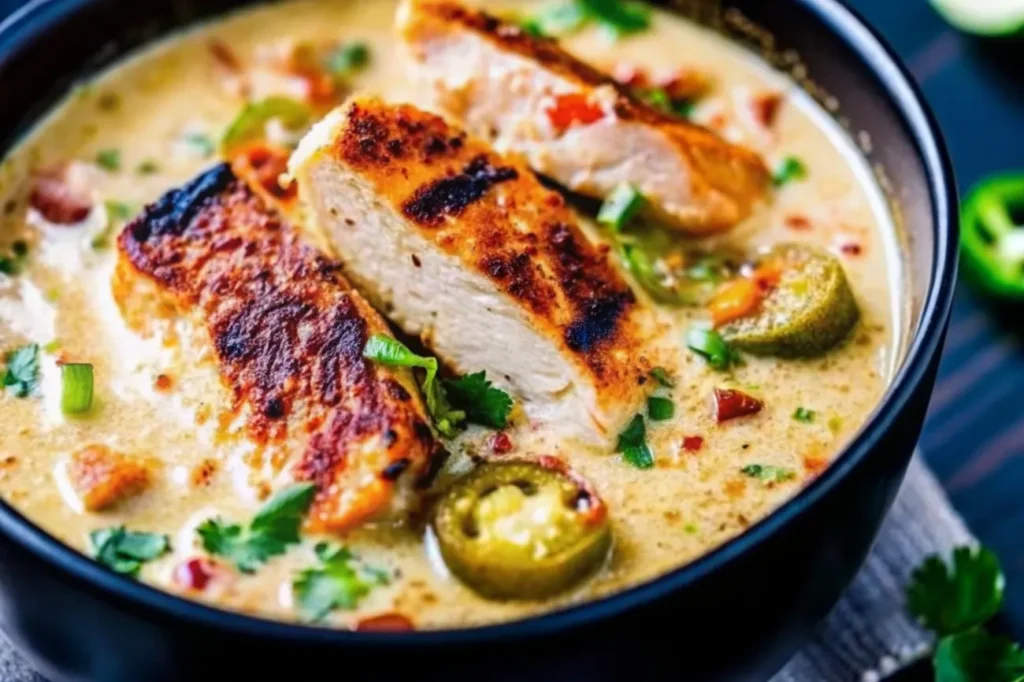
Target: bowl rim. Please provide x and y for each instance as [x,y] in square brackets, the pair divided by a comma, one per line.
[922,128]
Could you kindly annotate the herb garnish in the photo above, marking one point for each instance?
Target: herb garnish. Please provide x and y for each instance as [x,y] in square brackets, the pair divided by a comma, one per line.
[13,264]
[76,387]
[147,167]
[109,159]
[251,122]
[22,374]
[621,205]
[804,415]
[710,345]
[118,213]
[125,551]
[482,403]
[451,401]
[272,530]
[618,17]
[790,170]
[955,602]
[660,374]
[633,444]
[768,473]
[340,582]
[660,409]
[347,59]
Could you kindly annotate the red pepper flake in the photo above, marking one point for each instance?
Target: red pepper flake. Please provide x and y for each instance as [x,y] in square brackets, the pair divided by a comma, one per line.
[195,574]
[765,107]
[851,249]
[163,383]
[501,444]
[798,222]
[224,55]
[693,443]
[571,109]
[57,201]
[732,404]
[385,622]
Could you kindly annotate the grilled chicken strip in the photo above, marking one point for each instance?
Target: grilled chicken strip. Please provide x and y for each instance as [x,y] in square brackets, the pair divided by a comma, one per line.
[574,124]
[288,334]
[468,251]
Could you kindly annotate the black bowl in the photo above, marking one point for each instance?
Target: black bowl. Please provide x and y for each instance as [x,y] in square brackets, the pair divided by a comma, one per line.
[736,614]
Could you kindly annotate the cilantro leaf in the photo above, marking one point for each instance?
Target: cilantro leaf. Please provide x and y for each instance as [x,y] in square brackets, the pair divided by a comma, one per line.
[272,530]
[976,656]
[633,444]
[790,170]
[347,59]
[125,551]
[22,374]
[768,473]
[661,375]
[952,599]
[391,352]
[804,415]
[340,582]
[710,345]
[482,403]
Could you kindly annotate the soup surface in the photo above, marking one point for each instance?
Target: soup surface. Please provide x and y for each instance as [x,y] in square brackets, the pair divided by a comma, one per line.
[152,123]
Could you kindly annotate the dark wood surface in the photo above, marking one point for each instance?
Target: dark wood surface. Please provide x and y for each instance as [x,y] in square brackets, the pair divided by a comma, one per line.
[975,434]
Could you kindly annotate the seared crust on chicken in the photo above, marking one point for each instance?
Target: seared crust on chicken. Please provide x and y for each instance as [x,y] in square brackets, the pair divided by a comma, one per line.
[574,124]
[288,334]
[469,251]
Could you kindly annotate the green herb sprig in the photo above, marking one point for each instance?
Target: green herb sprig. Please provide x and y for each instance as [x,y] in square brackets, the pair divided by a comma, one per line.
[125,551]
[339,582]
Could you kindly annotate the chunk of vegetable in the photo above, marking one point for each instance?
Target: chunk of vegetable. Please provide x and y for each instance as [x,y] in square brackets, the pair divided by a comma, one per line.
[806,312]
[251,122]
[76,385]
[521,530]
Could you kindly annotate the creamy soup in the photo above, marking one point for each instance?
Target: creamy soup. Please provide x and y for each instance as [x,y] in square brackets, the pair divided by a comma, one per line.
[153,122]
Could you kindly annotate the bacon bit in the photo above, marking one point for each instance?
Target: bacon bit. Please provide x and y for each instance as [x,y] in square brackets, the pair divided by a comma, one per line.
[163,383]
[55,199]
[571,109]
[735,488]
[798,222]
[814,465]
[262,165]
[765,108]
[851,249]
[685,84]
[732,404]
[103,477]
[693,443]
[195,574]
[385,622]
[501,444]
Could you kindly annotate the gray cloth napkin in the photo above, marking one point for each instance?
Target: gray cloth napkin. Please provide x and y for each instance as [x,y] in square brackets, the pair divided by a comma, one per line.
[868,634]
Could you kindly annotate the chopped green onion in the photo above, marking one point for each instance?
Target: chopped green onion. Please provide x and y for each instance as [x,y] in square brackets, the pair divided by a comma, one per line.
[804,415]
[710,345]
[251,122]
[633,444]
[76,384]
[623,203]
[768,473]
[618,17]
[348,58]
[790,170]
[109,159]
[660,409]
[661,375]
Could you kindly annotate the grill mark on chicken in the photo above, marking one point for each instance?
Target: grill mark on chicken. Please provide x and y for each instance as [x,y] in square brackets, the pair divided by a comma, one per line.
[449,197]
[285,326]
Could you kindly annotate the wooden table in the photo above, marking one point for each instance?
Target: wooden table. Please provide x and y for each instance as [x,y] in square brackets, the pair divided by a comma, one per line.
[975,433]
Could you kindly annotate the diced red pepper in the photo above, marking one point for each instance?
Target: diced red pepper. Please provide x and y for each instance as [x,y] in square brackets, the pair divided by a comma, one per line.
[851,249]
[732,404]
[385,622]
[195,574]
[798,222]
[572,109]
[766,108]
[693,443]
[501,444]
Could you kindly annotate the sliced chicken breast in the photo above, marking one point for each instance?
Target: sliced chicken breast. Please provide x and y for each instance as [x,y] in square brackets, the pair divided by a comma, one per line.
[574,124]
[288,334]
[468,251]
